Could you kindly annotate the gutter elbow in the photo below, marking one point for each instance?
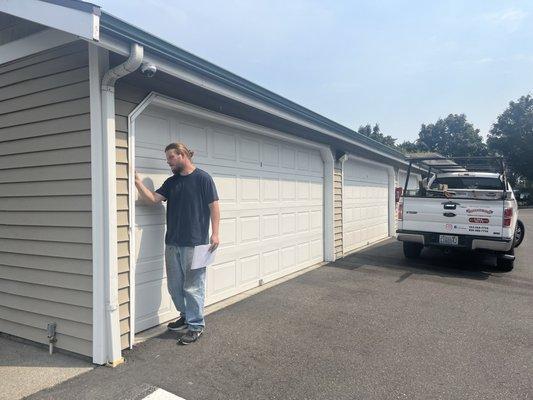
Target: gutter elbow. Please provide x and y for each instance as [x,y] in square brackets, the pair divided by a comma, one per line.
[133,62]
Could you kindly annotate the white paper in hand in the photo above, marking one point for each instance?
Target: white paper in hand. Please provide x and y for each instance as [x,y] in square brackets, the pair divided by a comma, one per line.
[202,257]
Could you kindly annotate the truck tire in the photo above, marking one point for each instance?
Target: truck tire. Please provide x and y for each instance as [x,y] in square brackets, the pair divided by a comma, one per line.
[505,264]
[412,250]
[519,233]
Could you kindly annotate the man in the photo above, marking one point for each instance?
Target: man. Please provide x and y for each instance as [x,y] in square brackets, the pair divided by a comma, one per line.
[192,201]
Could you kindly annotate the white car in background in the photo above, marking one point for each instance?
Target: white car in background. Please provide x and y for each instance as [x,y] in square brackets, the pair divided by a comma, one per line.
[461,207]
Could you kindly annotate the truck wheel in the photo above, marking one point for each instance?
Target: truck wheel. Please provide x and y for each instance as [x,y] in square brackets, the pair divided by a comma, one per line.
[412,250]
[505,264]
[519,233]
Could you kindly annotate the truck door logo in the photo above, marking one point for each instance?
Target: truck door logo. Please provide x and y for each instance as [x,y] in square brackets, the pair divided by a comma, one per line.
[479,210]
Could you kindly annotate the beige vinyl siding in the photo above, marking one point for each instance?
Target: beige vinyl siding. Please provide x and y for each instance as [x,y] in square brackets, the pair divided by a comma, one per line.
[127,98]
[45,196]
[337,213]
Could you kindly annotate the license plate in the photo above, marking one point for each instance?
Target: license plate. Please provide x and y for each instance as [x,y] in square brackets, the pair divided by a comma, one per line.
[449,240]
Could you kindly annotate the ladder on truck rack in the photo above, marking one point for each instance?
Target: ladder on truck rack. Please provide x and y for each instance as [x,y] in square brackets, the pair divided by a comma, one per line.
[441,164]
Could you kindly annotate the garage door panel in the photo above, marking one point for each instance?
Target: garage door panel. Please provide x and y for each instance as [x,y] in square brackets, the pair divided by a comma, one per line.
[303,189]
[156,305]
[316,165]
[227,252]
[226,187]
[222,277]
[270,225]
[224,146]
[150,165]
[365,204]
[150,271]
[288,257]
[288,223]
[249,269]
[270,262]
[228,231]
[249,152]
[303,252]
[250,188]
[196,137]
[270,154]
[249,229]
[149,238]
[271,199]
[151,131]
[151,216]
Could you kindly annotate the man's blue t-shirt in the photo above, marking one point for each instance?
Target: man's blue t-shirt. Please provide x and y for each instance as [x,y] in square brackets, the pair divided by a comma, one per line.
[188,198]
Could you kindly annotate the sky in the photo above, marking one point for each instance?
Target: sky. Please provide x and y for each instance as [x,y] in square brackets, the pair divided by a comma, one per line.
[397,63]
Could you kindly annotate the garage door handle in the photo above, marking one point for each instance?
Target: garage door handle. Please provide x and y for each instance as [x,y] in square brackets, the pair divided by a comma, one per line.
[449,214]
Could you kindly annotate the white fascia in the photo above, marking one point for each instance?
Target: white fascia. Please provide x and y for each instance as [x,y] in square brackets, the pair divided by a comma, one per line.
[159,100]
[122,48]
[391,186]
[40,41]
[98,64]
[80,23]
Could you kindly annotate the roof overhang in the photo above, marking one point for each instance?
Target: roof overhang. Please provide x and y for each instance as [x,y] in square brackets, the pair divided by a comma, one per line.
[88,22]
[117,36]
[74,17]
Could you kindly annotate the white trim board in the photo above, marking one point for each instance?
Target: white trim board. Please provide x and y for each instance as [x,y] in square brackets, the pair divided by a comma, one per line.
[176,105]
[40,41]
[79,23]
[97,66]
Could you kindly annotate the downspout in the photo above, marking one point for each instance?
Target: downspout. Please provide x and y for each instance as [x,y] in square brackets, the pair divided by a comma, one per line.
[114,348]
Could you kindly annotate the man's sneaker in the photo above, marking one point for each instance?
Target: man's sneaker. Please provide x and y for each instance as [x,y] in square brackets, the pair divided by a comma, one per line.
[189,337]
[177,325]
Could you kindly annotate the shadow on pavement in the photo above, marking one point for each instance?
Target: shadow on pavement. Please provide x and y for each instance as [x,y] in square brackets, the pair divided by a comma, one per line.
[389,255]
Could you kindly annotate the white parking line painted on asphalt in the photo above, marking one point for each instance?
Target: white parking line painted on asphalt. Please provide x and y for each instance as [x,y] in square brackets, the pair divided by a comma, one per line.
[161,394]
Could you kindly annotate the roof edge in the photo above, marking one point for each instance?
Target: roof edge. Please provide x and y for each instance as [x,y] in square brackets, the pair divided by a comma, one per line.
[77,5]
[123,30]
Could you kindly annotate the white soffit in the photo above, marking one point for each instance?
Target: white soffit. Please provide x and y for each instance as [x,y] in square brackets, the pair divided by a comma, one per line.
[80,23]
[35,43]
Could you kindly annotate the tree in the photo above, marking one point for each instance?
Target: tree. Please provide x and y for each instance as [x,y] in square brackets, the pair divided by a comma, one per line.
[453,136]
[512,137]
[409,147]
[376,134]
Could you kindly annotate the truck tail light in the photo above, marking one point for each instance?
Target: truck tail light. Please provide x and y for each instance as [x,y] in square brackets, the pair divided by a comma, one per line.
[400,211]
[507,217]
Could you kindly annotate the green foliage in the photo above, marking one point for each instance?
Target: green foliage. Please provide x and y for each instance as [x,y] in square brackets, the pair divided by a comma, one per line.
[409,147]
[376,134]
[512,137]
[453,136]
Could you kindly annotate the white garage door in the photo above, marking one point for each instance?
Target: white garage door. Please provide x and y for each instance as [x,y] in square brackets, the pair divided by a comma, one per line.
[271,198]
[365,204]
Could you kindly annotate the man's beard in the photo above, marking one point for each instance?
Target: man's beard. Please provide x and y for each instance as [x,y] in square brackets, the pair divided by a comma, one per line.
[176,169]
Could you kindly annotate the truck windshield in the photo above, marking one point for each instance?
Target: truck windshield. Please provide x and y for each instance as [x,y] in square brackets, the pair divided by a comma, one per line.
[468,183]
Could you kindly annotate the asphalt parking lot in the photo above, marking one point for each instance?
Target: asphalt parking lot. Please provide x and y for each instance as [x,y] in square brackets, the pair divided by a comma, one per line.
[370,326]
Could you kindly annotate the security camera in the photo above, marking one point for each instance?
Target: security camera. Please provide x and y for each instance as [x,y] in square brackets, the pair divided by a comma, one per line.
[148,70]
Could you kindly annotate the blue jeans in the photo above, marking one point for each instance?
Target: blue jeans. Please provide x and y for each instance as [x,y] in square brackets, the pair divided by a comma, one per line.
[185,285]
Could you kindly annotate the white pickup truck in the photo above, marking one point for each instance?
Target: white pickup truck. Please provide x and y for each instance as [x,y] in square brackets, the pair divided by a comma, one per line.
[460,208]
